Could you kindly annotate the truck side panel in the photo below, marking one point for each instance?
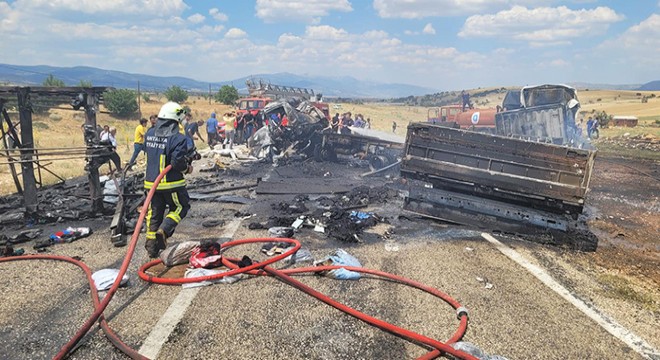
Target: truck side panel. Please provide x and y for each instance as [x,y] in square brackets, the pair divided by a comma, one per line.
[543,176]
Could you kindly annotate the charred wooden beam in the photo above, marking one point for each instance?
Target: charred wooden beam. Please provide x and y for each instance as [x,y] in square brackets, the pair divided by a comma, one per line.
[29,181]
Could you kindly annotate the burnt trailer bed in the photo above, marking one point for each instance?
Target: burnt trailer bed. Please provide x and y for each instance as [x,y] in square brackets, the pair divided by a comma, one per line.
[499,183]
[379,151]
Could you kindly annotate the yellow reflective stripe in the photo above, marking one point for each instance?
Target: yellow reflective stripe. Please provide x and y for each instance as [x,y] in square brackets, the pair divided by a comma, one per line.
[175,198]
[165,185]
[150,234]
[161,166]
[174,216]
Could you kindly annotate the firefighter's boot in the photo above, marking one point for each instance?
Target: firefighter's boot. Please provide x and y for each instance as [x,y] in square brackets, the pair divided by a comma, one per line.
[154,246]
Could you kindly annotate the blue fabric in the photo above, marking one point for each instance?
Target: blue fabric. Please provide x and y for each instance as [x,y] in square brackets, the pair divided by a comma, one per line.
[212,125]
[192,128]
[136,151]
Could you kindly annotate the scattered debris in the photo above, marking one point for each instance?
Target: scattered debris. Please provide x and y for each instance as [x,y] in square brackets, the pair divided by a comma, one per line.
[70,235]
[103,279]
[281,231]
[8,250]
[178,254]
[198,272]
[338,258]
[206,255]
[212,223]
[23,236]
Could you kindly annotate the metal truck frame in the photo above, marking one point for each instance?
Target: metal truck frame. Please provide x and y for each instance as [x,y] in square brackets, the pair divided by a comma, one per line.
[515,184]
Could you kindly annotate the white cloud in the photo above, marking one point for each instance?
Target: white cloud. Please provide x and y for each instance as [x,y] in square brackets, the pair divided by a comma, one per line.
[235,33]
[428,29]
[114,7]
[196,18]
[544,25]
[309,11]
[641,42]
[216,14]
[418,9]
[325,32]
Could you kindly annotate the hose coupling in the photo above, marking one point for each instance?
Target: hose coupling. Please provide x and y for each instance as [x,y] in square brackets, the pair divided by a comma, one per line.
[461,311]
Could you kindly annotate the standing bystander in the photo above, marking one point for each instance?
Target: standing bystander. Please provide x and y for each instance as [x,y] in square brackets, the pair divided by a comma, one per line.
[138,141]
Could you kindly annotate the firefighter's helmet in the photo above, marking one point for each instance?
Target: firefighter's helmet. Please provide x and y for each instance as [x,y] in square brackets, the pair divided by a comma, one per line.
[172,111]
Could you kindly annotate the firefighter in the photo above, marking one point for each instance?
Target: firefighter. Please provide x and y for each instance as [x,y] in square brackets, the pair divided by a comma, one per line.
[165,145]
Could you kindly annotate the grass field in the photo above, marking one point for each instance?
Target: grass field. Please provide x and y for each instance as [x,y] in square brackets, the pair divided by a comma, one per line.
[65,132]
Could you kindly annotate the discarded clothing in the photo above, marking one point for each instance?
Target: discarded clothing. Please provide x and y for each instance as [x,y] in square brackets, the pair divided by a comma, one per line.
[281,231]
[10,251]
[300,256]
[273,248]
[103,279]
[70,235]
[23,236]
[207,255]
[178,254]
[338,258]
[192,273]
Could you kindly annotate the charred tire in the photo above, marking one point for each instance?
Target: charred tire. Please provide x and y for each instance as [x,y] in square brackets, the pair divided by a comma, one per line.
[379,161]
[324,153]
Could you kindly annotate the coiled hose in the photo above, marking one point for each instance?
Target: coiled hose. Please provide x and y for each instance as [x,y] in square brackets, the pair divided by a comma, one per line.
[436,347]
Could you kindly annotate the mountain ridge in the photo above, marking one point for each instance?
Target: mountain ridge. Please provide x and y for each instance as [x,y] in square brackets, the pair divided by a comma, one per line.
[344,86]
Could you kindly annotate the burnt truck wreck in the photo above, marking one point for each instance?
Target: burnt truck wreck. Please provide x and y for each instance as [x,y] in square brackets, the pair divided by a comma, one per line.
[530,178]
[309,134]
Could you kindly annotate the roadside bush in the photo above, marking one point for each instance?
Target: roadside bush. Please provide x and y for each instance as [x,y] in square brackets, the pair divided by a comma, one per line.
[603,119]
[176,93]
[52,81]
[121,102]
[227,95]
[146,98]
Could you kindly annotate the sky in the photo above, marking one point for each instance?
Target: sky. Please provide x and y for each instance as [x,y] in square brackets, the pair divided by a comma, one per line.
[440,44]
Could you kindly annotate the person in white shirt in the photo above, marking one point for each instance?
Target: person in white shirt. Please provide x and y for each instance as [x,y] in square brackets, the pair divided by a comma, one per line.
[108,138]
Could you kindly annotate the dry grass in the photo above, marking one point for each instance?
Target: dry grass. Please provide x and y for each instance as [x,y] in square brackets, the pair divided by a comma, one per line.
[618,287]
[66,132]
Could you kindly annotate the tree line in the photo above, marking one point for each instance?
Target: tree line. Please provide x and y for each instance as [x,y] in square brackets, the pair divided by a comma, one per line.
[123,102]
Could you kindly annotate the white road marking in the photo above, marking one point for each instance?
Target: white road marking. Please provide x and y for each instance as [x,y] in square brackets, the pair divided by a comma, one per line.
[635,342]
[174,313]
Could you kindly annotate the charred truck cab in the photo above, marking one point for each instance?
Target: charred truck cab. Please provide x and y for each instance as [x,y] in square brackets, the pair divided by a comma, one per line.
[530,178]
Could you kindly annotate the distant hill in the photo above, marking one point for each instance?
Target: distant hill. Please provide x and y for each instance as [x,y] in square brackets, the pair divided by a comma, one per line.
[590,86]
[650,86]
[329,86]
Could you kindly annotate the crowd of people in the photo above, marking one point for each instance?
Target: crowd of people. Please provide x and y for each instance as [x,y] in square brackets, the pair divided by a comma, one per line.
[237,128]
[341,124]
[230,129]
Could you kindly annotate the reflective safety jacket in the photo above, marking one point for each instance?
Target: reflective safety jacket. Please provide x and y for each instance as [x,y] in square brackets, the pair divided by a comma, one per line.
[164,146]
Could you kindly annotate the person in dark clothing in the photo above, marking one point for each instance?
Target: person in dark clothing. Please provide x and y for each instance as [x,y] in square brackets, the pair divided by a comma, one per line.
[465,96]
[212,130]
[250,123]
[165,145]
[335,122]
[192,130]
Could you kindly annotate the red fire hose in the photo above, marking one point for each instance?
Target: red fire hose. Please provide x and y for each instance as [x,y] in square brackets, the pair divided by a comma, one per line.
[260,268]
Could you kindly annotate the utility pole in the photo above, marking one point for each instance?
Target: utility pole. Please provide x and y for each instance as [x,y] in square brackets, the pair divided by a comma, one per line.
[93,164]
[139,101]
[27,166]
[209,94]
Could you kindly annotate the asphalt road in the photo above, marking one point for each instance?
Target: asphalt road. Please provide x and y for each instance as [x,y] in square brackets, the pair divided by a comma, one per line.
[43,303]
